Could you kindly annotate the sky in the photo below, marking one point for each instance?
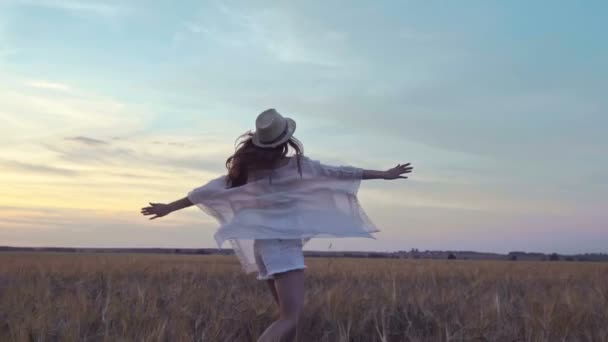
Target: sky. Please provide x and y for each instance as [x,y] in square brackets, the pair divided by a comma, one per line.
[500,106]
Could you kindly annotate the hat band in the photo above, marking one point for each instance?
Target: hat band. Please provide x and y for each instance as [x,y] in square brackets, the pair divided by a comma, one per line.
[281,136]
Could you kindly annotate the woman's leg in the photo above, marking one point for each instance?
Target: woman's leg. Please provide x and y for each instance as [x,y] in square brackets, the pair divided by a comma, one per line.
[262,270]
[273,290]
[290,291]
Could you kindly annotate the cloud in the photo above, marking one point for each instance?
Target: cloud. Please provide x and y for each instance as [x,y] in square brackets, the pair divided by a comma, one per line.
[13,165]
[112,177]
[196,28]
[87,141]
[185,143]
[49,85]
[506,125]
[31,109]
[139,155]
[7,52]
[278,33]
[98,8]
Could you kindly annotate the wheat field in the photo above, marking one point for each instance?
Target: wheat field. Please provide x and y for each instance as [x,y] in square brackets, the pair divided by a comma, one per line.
[148,297]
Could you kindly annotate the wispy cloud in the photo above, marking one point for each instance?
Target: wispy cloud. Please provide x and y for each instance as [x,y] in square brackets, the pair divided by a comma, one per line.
[14,165]
[165,158]
[87,140]
[7,52]
[196,28]
[42,106]
[100,8]
[278,33]
[49,85]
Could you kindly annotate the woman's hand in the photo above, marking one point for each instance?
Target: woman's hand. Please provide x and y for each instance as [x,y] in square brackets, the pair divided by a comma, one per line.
[158,209]
[397,171]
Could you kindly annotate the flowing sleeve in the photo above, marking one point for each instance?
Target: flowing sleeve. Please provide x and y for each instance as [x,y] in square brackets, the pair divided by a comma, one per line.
[344,174]
[344,182]
[335,171]
[207,198]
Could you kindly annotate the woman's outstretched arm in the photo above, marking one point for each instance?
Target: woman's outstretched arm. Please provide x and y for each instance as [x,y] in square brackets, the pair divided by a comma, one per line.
[351,172]
[161,209]
[393,173]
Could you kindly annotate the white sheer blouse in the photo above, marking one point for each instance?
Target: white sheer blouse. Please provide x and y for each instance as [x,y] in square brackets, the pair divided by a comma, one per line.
[279,204]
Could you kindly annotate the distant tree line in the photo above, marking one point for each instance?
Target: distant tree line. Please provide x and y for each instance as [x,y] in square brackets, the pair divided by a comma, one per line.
[414,253]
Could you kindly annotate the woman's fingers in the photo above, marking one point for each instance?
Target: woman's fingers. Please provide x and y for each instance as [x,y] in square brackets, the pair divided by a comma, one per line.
[401,169]
[156,209]
[148,211]
[406,168]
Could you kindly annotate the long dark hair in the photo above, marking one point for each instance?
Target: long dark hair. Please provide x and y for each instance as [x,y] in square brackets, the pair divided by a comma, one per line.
[249,158]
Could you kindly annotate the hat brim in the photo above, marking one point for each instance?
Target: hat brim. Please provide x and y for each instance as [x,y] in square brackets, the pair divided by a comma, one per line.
[291,128]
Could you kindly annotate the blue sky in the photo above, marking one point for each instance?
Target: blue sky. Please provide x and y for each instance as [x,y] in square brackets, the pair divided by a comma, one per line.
[500,106]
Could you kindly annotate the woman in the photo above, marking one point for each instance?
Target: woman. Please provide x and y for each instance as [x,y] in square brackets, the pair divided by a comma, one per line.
[269,205]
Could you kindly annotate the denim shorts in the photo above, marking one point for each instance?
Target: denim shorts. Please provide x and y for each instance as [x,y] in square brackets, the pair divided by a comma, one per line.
[274,256]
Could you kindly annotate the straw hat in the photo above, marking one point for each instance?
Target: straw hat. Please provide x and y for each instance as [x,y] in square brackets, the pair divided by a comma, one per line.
[272,129]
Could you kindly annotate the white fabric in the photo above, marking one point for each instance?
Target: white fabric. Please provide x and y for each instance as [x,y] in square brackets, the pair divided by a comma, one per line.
[274,256]
[278,204]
